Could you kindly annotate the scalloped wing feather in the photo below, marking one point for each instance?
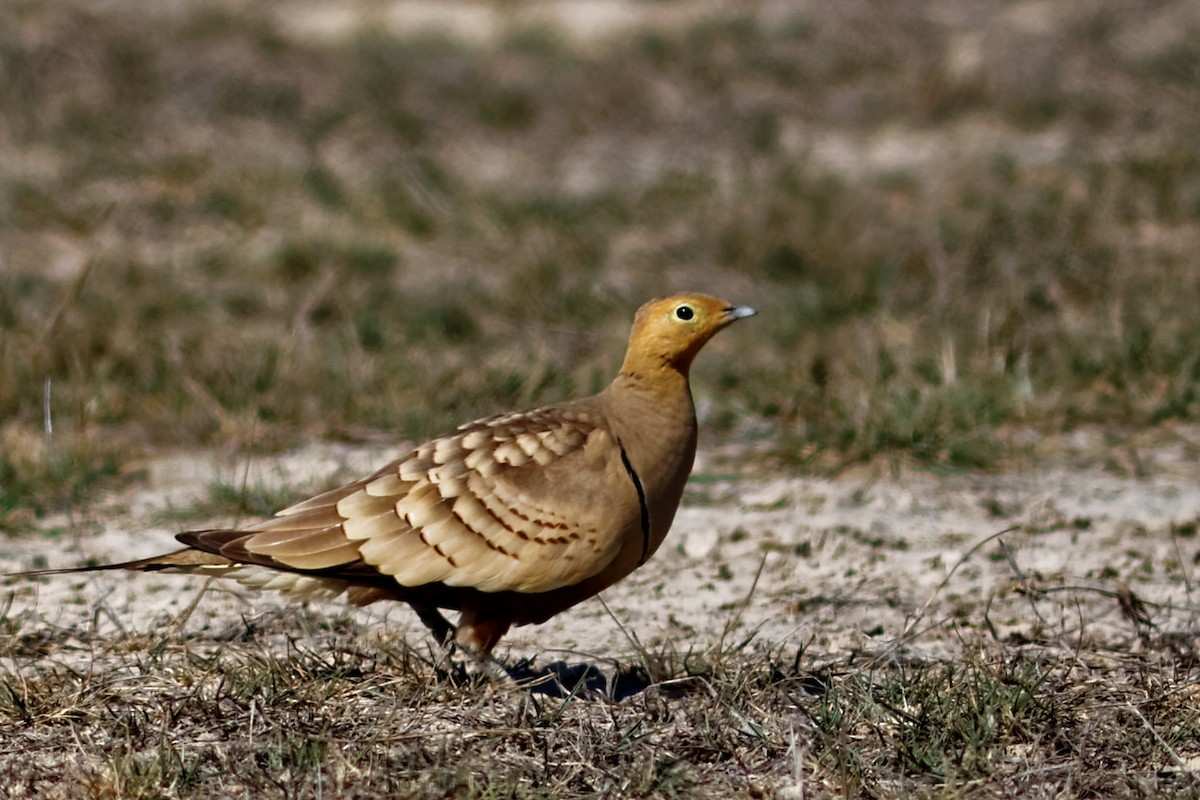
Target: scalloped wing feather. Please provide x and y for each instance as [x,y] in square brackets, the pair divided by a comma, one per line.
[522,502]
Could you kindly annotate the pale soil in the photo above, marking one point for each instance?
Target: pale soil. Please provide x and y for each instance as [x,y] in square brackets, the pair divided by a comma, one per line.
[861,562]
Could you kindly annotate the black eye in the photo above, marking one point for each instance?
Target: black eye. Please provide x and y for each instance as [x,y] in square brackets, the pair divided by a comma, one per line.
[685,313]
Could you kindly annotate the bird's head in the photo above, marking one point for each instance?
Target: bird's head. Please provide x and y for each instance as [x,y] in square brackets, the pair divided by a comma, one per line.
[669,332]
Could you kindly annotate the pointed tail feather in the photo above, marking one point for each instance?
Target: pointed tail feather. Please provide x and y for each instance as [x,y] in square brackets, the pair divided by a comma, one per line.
[186,560]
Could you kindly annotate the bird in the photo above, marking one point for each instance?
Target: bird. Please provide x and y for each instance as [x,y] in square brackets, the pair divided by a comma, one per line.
[508,520]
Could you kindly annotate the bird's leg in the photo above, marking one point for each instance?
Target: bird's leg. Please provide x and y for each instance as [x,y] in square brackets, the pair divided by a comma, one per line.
[439,626]
[442,630]
[476,637]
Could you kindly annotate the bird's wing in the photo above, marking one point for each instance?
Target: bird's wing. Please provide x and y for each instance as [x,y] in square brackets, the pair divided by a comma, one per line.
[525,502]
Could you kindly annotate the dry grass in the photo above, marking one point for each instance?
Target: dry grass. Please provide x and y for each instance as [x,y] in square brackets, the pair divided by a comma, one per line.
[296,705]
[215,232]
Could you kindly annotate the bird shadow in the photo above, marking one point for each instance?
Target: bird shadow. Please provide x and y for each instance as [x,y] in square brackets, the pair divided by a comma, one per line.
[563,679]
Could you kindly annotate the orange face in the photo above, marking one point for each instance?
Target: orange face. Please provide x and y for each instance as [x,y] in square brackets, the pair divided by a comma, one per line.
[671,331]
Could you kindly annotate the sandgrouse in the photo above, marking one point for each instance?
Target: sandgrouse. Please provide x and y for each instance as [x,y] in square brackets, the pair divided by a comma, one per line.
[510,519]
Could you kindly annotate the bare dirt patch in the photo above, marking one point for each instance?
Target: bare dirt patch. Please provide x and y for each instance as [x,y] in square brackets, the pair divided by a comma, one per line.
[835,564]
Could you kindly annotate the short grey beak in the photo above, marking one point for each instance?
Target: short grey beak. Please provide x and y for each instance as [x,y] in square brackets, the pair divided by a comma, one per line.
[737,312]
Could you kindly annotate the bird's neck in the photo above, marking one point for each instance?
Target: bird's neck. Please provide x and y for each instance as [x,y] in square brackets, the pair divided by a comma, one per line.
[656,431]
[656,389]
[657,420]
[650,359]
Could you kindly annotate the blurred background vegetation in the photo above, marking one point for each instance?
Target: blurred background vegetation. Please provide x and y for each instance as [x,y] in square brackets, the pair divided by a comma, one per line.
[247,225]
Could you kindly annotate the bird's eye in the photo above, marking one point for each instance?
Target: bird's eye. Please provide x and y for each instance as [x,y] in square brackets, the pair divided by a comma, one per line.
[685,313]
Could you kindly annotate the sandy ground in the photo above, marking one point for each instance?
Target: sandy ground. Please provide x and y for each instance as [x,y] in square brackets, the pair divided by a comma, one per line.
[883,560]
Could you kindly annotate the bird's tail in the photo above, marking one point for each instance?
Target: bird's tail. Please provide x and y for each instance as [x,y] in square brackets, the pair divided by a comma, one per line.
[197,562]
[185,560]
